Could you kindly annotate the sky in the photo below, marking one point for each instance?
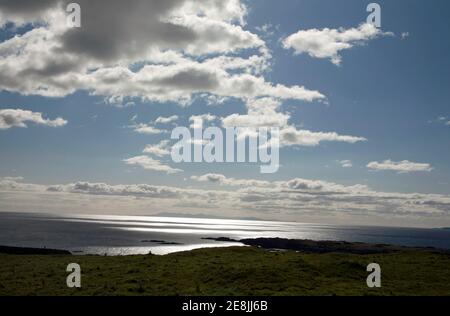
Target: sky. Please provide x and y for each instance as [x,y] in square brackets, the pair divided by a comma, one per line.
[86,113]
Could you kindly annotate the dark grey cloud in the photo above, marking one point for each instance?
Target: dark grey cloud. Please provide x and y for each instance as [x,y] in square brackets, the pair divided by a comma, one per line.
[116,29]
[27,8]
[191,79]
[57,67]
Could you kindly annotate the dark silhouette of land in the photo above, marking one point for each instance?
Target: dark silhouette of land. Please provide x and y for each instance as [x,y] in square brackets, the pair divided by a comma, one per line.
[32,251]
[313,246]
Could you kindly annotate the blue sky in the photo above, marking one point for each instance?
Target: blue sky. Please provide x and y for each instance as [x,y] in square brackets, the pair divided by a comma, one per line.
[390,90]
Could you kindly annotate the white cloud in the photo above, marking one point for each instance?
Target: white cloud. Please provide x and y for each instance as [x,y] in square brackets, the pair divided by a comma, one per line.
[441,120]
[328,43]
[268,119]
[138,190]
[223,180]
[166,120]
[18,118]
[291,136]
[318,186]
[267,30]
[15,183]
[146,129]
[161,149]
[404,166]
[149,163]
[196,119]
[265,112]
[405,35]
[346,163]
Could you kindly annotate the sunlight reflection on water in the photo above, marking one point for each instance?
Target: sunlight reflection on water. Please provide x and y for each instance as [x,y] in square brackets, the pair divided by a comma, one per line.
[126,235]
[155,250]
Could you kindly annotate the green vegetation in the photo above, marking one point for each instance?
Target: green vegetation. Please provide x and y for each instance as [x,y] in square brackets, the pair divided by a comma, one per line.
[228,271]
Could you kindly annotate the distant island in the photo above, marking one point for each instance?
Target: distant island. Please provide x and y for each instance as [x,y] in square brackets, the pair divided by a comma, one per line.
[160,242]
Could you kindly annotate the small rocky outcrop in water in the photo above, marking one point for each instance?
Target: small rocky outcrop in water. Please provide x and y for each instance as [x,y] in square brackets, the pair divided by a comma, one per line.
[161,242]
[226,239]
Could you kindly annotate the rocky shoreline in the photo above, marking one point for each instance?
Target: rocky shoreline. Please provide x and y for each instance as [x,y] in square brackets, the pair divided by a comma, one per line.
[300,245]
[313,246]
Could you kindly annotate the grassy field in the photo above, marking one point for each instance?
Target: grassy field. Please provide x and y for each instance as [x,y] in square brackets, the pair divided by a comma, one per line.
[228,271]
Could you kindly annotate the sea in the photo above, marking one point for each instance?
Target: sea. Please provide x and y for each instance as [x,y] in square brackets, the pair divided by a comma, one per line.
[128,235]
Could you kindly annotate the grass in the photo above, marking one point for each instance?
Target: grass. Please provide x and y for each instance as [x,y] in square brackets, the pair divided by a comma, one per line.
[228,271]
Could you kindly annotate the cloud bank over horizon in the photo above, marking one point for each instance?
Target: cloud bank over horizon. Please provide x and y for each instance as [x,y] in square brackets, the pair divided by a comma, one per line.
[281,200]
